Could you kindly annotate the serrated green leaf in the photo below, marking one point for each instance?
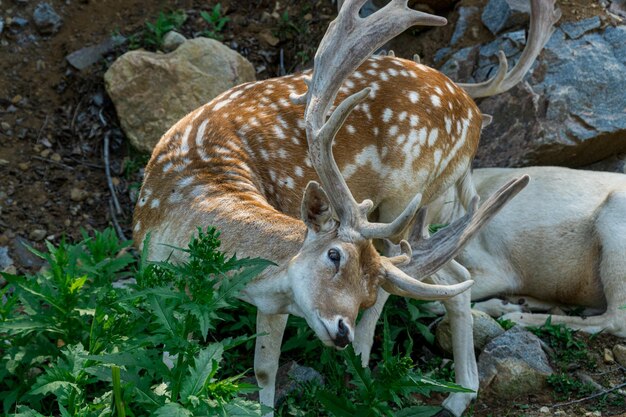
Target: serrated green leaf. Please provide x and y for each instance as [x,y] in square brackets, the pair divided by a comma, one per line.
[205,365]
[164,315]
[337,406]
[418,411]
[172,410]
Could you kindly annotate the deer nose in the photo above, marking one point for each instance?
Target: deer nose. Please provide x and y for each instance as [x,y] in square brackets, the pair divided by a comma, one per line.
[342,339]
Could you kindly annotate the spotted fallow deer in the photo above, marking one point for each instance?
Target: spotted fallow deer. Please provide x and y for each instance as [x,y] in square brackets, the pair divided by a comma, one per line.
[571,255]
[402,133]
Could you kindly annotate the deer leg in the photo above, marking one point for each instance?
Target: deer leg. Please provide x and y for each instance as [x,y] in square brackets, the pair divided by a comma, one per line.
[266,354]
[459,310]
[364,334]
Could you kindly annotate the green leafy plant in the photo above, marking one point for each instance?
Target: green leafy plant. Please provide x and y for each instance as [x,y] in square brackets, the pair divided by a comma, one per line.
[73,343]
[388,391]
[505,323]
[216,22]
[567,345]
[566,387]
[152,35]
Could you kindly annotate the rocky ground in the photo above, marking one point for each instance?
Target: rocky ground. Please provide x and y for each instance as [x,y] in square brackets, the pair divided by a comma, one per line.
[59,131]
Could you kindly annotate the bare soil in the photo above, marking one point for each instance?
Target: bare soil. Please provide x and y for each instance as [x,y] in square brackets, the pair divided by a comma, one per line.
[53,120]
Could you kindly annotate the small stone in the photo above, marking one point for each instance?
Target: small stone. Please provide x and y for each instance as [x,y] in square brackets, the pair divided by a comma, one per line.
[5,126]
[17,22]
[76,194]
[56,157]
[89,55]
[24,166]
[172,40]
[544,410]
[560,413]
[4,162]
[115,180]
[37,235]
[619,353]
[16,99]
[67,223]
[608,356]
[47,21]
[5,259]
[267,37]
[45,153]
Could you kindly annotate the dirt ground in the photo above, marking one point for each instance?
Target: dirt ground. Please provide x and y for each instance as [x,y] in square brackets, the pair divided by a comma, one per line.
[54,118]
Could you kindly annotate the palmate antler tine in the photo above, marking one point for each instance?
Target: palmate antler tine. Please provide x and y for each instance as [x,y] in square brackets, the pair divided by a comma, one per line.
[429,254]
[543,16]
[348,41]
[399,283]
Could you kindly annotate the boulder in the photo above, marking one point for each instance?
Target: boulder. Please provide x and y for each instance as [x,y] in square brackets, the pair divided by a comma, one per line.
[153,91]
[513,365]
[464,24]
[570,109]
[499,15]
[485,329]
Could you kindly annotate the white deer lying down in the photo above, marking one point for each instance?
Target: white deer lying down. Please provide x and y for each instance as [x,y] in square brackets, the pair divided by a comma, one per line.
[562,242]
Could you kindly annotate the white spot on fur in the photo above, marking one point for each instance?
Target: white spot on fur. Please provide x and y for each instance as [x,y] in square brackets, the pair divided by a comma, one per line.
[414,120]
[175,197]
[184,147]
[184,182]
[280,134]
[402,116]
[298,171]
[350,129]
[383,76]
[438,90]
[393,130]
[155,203]
[387,113]
[137,227]
[145,195]
[376,131]
[168,167]
[221,104]
[200,132]
[448,124]
[432,137]
[414,96]
[392,72]
[436,100]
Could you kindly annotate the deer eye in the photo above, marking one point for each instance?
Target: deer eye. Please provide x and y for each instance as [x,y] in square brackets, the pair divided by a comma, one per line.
[335,256]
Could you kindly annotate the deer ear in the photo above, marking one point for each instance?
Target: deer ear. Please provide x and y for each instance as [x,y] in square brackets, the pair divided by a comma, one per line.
[316,212]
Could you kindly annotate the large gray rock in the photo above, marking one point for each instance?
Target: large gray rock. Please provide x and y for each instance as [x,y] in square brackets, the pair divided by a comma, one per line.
[513,365]
[499,15]
[153,91]
[464,24]
[572,109]
[485,329]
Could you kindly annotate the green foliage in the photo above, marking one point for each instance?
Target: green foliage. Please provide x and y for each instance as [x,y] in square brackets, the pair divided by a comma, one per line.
[216,22]
[566,387]
[435,227]
[567,345]
[505,323]
[351,390]
[296,30]
[153,33]
[75,344]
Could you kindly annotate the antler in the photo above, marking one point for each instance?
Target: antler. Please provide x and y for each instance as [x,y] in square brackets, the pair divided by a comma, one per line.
[543,16]
[429,254]
[348,41]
